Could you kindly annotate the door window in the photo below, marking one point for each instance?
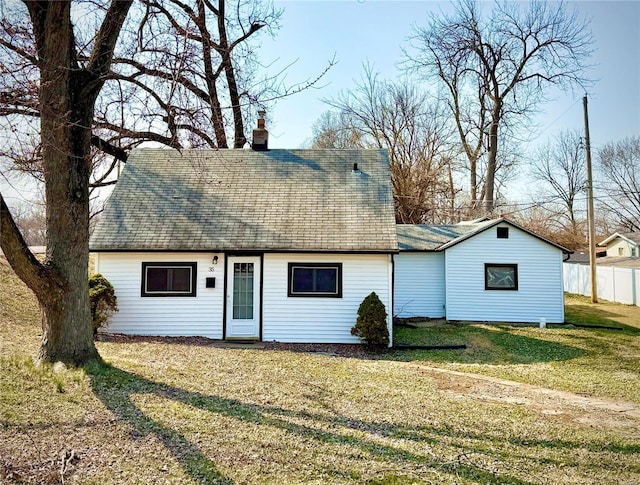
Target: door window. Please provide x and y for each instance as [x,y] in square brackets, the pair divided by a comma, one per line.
[243,291]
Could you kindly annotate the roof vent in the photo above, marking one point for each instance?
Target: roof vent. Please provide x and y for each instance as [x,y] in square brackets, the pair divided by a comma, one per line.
[355,168]
[260,134]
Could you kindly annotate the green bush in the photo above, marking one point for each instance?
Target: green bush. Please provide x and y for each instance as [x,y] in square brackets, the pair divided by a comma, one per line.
[371,324]
[102,300]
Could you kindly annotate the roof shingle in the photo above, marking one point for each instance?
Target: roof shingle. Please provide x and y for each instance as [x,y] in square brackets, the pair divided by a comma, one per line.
[288,200]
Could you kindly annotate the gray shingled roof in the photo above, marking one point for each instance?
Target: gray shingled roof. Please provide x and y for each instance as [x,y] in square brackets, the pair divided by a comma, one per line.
[418,237]
[289,200]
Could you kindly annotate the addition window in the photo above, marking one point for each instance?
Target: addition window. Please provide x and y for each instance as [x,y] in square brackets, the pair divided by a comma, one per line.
[500,276]
[502,233]
[168,279]
[321,280]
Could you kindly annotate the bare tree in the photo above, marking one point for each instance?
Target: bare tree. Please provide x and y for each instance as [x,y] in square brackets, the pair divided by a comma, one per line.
[413,127]
[55,61]
[494,69]
[31,220]
[619,171]
[184,73]
[561,168]
[67,91]
[335,129]
[184,65]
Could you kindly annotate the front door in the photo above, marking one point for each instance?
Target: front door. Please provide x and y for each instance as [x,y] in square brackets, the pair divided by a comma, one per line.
[243,297]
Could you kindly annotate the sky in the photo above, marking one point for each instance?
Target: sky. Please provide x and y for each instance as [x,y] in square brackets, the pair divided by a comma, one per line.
[354,32]
[367,31]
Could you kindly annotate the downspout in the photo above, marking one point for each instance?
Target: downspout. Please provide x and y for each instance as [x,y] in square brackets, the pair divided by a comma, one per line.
[391,296]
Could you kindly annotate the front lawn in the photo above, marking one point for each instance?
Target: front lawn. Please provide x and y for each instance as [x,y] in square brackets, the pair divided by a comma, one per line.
[162,412]
[602,362]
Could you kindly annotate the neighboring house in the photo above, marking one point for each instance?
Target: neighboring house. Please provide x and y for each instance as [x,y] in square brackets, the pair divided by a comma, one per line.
[623,244]
[492,270]
[241,244]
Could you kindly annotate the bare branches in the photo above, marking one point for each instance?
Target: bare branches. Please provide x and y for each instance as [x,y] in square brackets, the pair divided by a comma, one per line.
[183,73]
[495,69]
[412,126]
[619,164]
[106,38]
[561,167]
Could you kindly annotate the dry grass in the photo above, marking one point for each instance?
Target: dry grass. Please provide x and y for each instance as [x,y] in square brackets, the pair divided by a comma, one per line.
[175,413]
[599,362]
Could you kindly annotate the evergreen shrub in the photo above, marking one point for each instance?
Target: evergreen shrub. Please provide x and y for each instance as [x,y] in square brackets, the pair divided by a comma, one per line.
[371,324]
[102,300]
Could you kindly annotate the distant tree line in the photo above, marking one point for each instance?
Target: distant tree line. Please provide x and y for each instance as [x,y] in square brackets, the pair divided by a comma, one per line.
[455,121]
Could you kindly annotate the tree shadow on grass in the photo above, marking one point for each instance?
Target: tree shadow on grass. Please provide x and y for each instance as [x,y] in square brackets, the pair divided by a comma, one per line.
[117,389]
[589,314]
[486,344]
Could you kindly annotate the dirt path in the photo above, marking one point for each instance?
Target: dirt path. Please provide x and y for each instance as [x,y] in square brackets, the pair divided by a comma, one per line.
[583,409]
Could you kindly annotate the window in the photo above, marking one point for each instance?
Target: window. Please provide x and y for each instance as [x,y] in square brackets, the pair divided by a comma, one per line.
[620,251]
[315,280]
[500,276]
[169,279]
[633,252]
[502,233]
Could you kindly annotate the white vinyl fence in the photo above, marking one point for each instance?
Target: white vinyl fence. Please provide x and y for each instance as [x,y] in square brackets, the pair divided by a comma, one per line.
[614,283]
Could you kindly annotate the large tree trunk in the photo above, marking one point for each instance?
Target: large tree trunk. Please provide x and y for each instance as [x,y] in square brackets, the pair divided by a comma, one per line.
[65,119]
[217,119]
[492,158]
[473,164]
[239,138]
[67,95]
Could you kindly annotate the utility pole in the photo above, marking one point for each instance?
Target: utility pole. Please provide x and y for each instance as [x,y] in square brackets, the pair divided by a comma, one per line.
[590,211]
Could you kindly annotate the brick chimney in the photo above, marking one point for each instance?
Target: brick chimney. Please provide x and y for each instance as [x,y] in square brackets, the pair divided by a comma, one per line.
[260,134]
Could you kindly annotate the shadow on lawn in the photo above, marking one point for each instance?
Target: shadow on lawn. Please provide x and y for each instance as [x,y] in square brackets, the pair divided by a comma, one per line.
[590,314]
[486,344]
[116,388]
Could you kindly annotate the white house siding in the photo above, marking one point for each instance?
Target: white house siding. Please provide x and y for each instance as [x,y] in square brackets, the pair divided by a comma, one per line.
[166,316]
[321,320]
[419,289]
[540,286]
[614,248]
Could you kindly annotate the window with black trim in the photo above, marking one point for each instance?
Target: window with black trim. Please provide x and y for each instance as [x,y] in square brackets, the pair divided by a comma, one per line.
[502,233]
[500,276]
[168,279]
[319,280]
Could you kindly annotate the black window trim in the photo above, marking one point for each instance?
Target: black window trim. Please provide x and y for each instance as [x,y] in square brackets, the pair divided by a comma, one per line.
[336,266]
[502,232]
[193,266]
[515,276]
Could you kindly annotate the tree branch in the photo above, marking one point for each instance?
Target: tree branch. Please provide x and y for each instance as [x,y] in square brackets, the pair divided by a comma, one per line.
[38,277]
[109,149]
[100,60]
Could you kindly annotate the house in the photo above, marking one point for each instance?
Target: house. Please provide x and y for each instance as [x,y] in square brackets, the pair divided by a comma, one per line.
[284,245]
[623,244]
[485,270]
[248,244]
